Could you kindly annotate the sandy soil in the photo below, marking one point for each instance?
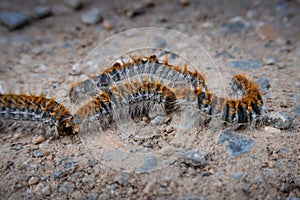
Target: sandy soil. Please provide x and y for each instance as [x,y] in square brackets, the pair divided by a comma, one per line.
[39,58]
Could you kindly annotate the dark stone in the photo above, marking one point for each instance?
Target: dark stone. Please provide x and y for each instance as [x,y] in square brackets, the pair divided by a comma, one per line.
[138,10]
[14,20]
[42,12]
[236,144]
[75,4]
[245,64]
[91,17]
[162,18]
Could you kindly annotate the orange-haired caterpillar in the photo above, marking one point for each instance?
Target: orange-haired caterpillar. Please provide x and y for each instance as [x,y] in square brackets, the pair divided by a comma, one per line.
[149,66]
[245,108]
[138,98]
[36,114]
[134,98]
[131,99]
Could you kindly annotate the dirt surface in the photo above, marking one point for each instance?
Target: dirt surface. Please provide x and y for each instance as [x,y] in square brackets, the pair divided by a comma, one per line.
[41,56]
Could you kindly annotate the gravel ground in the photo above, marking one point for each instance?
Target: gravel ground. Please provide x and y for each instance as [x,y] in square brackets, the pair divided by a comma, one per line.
[42,42]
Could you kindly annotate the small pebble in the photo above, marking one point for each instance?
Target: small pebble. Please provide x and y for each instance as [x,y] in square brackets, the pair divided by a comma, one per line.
[122,180]
[270,129]
[57,174]
[149,3]
[232,28]
[14,20]
[236,144]
[278,120]
[252,14]
[107,25]
[258,180]
[266,32]
[16,147]
[240,20]
[42,12]
[149,162]
[194,158]
[281,41]
[38,139]
[69,165]
[269,61]
[184,2]
[238,175]
[33,181]
[46,190]
[88,179]
[37,153]
[169,129]
[75,4]
[182,27]
[293,198]
[149,188]
[162,18]
[92,16]
[297,110]
[137,10]
[67,188]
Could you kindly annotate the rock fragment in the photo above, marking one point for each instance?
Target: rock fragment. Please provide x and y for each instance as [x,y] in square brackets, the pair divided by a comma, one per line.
[14,20]
[92,16]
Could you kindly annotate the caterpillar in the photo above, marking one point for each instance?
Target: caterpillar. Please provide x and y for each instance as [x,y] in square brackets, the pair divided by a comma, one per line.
[149,66]
[140,97]
[131,99]
[246,107]
[37,114]
[123,91]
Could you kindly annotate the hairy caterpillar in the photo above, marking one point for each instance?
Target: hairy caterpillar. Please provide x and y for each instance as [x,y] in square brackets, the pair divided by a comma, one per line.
[149,66]
[124,91]
[130,99]
[142,97]
[36,114]
[245,108]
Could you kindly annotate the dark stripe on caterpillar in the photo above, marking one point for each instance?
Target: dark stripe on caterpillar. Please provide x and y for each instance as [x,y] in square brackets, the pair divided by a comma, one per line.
[35,114]
[149,66]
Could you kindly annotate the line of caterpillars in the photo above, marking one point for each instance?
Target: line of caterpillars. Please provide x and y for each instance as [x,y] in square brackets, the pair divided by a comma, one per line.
[116,88]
